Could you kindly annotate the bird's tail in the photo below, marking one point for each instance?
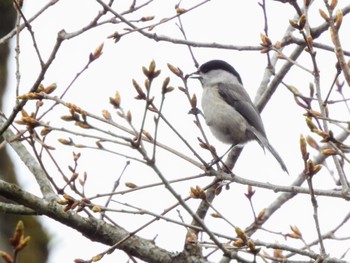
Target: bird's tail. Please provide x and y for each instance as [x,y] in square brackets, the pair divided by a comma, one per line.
[263,141]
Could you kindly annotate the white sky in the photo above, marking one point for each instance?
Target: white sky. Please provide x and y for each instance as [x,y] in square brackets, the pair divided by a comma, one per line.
[219,21]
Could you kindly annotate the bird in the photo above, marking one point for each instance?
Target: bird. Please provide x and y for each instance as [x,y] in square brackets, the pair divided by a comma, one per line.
[228,110]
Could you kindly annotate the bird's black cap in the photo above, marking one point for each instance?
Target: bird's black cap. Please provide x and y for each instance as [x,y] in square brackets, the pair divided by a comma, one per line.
[219,64]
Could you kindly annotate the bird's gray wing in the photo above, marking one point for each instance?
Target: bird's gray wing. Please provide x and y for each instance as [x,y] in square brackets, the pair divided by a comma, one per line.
[237,97]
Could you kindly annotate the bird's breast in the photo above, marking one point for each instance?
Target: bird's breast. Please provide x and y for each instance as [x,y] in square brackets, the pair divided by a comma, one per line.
[224,121]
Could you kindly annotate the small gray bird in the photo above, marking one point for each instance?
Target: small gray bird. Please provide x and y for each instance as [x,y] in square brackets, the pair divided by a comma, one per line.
[228,109]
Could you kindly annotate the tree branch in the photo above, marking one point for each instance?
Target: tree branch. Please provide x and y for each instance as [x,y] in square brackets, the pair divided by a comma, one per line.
[92,228]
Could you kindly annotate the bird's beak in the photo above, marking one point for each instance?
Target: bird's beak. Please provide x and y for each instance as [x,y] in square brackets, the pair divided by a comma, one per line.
[195,75]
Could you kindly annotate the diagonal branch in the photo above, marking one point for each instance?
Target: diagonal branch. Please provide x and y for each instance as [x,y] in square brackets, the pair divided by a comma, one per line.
[92,228]
[31,163]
